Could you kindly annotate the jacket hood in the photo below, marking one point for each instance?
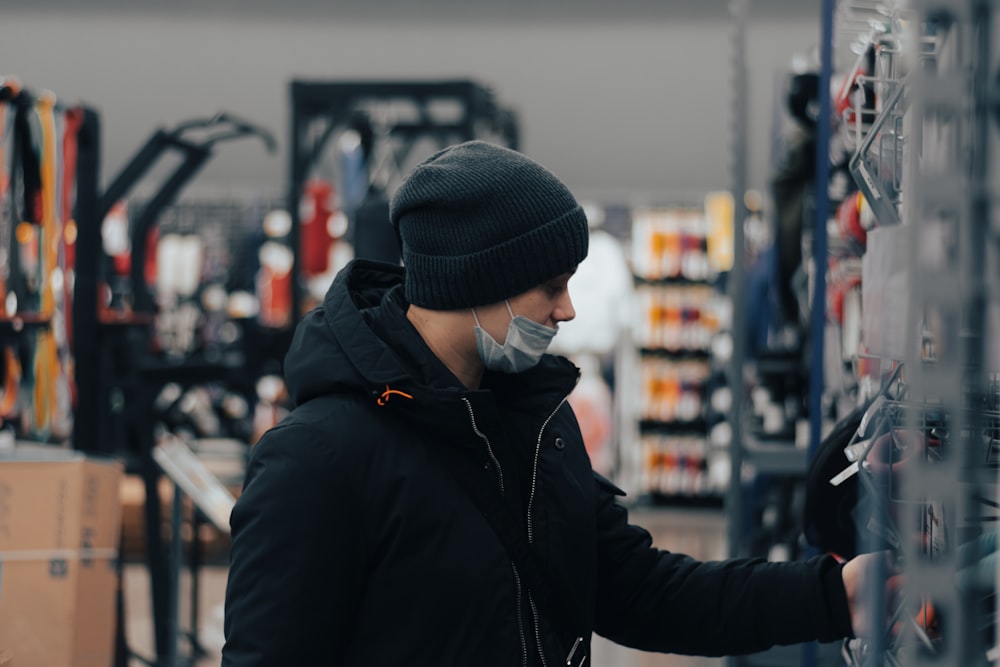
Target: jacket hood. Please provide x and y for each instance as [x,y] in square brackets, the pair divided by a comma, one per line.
[359,342]
[335,350]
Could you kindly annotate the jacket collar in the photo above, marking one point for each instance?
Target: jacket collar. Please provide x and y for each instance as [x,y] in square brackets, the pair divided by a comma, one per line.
[360,342]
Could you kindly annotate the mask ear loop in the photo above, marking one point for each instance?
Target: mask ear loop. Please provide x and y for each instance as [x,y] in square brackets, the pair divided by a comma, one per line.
[509,312]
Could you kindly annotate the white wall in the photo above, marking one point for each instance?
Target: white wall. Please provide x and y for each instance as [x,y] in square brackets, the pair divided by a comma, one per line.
[632,107]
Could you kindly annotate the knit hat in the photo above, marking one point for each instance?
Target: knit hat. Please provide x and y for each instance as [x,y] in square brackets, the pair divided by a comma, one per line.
[480,223]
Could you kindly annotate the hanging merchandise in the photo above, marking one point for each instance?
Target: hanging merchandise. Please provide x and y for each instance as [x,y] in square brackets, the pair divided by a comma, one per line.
[791,186]
[272,405]
[117,299]
[831,511]
[677,467]
[10,369]
[679,316]
[38,168]
[274,279]
[373,234]
[45,362]
[8,91]
[355,149]
[316,241]
[719,211]
[66,283]
[680,319]
[780,311]
[26,192]
[849,222]
[911,470]
[178,264]
[673,391]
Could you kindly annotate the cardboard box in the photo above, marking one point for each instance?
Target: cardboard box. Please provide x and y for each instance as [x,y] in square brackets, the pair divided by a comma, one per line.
[60,520]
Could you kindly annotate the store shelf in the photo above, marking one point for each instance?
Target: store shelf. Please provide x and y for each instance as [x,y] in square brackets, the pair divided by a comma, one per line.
[676,426]
[656,499]
[678,355]
[16,326]
[679,312]
[678,281]
[774,456]
[192,371]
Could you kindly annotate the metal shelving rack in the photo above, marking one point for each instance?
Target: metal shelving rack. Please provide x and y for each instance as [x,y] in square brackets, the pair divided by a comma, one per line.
[937,505]
[944,501]
[953,282]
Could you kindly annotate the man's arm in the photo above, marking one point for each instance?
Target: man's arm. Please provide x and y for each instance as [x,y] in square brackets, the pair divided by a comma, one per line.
[655,600]
[296,571]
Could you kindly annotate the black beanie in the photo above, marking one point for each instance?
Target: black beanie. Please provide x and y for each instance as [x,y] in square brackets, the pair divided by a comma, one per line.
[480,223]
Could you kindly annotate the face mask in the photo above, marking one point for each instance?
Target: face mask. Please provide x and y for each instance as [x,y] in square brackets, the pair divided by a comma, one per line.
[523,348]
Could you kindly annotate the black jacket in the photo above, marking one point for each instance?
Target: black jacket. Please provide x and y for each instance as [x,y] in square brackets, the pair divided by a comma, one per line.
[354,545]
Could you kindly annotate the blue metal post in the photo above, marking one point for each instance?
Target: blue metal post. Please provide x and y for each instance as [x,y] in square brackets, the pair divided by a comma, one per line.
[817,325]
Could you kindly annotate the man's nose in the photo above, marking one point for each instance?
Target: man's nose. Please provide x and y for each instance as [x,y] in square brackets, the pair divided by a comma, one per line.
[564,311]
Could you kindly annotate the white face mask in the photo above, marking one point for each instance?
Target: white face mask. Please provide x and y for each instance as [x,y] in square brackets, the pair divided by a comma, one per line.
[523,348]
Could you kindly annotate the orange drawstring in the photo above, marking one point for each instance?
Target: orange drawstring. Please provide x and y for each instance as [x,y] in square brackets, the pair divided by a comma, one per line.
[384,398]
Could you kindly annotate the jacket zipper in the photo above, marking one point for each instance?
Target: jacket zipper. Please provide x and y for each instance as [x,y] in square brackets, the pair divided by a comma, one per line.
[520,618]
[531,532]
[489,447]
[531,535]
[517,577]
[534,471]
[538,631]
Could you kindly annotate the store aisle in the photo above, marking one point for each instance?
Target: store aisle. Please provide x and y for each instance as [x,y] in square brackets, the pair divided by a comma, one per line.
[698,532]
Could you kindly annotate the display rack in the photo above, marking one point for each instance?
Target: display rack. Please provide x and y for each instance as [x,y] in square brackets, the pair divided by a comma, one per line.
[119,371]
[920,118]
[54,147]
[936,504]
[797,389]
[679,312]
[395,123]
[120,356]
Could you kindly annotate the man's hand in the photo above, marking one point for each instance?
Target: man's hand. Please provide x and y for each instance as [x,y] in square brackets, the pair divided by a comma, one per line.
[859,574]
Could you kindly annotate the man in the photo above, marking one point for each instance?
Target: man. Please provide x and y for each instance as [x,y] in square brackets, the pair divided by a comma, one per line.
[371,526]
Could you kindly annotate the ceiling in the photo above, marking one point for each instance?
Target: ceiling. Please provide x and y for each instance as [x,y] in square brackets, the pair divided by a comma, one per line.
[424,10]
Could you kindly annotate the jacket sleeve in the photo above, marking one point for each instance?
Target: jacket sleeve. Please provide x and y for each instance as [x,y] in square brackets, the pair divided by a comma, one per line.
[655,600]
[296,571]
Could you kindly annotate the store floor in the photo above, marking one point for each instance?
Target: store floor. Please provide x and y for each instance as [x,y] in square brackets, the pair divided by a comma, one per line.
[697,532]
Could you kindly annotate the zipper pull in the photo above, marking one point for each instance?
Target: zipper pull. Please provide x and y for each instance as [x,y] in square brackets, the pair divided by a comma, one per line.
[572,652]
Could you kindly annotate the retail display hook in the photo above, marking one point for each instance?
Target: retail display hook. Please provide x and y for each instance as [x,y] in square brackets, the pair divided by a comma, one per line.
[195,140]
